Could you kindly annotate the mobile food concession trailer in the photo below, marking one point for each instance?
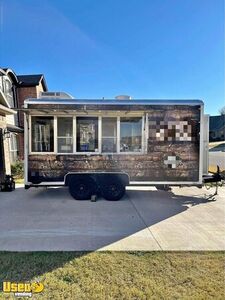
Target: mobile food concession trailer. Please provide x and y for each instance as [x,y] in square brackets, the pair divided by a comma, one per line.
[102,146]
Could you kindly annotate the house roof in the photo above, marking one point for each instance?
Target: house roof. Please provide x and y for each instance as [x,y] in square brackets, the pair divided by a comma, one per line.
[25,80]
[10,73]
[216,123]
[32,80]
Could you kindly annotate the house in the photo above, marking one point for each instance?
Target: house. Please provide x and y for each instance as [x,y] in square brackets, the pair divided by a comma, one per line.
[14,89]
[9,125]
[5,113]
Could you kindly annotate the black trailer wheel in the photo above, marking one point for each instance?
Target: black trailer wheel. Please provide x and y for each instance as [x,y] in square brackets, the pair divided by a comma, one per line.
[113,189]
[163,187]
[82,187]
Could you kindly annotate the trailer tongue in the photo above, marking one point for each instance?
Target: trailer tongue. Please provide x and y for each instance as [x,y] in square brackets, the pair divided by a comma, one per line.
[213,178]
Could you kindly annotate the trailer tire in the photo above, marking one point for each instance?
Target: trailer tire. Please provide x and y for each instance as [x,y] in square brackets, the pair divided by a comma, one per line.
[82,187]
[113,189]
[163,187]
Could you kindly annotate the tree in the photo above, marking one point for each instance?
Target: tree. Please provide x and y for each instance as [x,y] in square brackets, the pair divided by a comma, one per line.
[222,110]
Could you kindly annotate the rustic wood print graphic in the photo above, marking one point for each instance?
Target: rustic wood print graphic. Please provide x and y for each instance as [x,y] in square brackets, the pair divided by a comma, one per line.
[172,150]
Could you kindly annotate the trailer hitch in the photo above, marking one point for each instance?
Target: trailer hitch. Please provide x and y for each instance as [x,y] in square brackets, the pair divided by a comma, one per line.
[209,180]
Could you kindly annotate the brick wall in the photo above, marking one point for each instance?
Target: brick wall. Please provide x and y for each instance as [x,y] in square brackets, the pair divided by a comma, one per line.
[23,94]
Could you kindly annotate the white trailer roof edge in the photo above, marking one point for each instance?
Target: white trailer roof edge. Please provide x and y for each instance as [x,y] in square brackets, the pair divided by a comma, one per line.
[113,102]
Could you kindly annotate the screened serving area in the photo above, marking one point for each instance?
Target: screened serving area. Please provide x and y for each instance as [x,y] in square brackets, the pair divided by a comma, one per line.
[86,134]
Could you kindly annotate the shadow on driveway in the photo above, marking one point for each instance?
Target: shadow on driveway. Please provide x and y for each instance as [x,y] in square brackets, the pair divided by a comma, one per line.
[49,219]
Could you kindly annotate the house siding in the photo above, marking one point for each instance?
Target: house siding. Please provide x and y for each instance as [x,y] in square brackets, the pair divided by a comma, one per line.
[6,147]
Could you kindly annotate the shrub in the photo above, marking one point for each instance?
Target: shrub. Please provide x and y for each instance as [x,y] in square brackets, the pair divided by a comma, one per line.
[17,169]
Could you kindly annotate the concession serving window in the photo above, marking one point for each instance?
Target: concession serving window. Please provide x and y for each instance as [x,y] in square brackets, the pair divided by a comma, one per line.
[42,134]
[81,134]
[87,134]
[130,134]
[65,134]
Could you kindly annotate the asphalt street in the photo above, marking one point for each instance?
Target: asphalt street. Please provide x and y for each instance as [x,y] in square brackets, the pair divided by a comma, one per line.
[217,158]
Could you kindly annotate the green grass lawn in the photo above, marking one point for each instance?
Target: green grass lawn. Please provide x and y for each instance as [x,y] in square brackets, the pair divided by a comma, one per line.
[118,275]
[19,180]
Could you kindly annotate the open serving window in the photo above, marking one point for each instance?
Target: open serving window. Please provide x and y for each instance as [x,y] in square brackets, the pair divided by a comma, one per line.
[80,134]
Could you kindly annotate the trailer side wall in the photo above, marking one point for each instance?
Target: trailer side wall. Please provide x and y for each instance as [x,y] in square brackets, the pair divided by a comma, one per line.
[172,143]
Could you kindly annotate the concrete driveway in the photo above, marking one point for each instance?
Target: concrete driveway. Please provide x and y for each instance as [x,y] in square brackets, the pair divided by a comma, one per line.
[145,219]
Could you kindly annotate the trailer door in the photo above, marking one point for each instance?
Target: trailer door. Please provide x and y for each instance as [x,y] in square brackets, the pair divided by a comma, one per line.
[205,144]
[145,133]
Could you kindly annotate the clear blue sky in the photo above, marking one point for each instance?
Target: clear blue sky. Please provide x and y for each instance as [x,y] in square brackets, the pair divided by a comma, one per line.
[143,48]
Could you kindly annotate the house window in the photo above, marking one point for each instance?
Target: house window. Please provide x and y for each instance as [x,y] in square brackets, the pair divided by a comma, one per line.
[13,148]
[65,135]
[8,91]
[109,135]
[42,134]
[130,134]
[87,134]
